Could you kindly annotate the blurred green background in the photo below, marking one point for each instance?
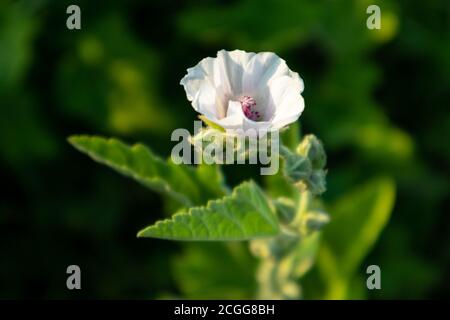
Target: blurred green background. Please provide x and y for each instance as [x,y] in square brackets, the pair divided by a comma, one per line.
[378,99]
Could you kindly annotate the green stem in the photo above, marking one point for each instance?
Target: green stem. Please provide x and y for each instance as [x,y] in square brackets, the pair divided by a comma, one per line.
[276,276]
[289,255]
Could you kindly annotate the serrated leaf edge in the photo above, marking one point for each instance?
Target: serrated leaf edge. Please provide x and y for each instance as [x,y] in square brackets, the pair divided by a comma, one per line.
[209,204]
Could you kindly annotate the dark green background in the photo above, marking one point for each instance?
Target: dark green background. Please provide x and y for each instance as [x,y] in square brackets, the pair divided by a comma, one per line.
[379,100]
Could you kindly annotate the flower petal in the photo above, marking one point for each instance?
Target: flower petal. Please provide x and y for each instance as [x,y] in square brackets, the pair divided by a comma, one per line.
[195,77]
[215,85]
[205,101]
[281,119]
[258,126]
[228,71]
[262,69]
[283,85]
[234,117]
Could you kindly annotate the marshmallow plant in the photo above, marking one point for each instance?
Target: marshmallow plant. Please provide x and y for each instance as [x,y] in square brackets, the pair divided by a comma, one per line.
[241,90]
[235,93]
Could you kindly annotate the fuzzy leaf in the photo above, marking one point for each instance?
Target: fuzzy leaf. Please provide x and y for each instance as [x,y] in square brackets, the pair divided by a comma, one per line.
[357,220]
[205,261]
[363,213]
[187,185]
[243,215]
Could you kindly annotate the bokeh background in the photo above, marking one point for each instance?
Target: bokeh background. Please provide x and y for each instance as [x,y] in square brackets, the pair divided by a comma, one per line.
[378,99]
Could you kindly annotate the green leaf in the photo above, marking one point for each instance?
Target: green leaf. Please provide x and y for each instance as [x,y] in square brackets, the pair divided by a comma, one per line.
[200,274]
[243,215]
[187,185]
[291,135]
[363,213]
[276,185]
[357,220]
[304,256]
[211,124]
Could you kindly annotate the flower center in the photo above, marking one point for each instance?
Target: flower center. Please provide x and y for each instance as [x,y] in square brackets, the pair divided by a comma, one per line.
[248,107]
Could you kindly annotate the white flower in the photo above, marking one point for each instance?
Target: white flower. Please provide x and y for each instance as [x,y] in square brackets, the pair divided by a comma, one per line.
[245,90]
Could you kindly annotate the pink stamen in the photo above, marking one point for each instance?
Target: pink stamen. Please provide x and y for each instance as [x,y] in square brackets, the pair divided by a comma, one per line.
[248,103]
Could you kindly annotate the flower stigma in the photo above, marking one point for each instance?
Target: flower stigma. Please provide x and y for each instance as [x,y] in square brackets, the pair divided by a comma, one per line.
[248,107]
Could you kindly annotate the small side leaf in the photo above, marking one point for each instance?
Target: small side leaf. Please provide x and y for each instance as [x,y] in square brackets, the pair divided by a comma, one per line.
[243,215]
[183,183]
[211,124]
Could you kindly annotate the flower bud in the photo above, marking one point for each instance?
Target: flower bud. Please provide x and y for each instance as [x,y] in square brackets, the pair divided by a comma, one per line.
[296,167]
[312,148]
[317,182]
[315,220]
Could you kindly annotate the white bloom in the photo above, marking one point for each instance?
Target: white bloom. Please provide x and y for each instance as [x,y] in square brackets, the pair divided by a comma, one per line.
[245,90]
